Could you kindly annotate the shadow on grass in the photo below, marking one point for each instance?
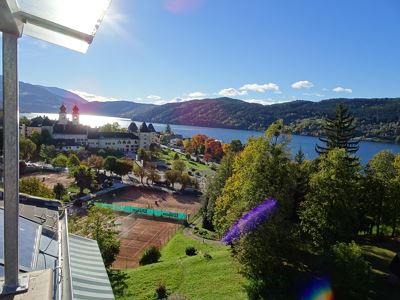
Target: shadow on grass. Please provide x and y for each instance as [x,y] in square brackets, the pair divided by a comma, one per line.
[379,254]
[118,282]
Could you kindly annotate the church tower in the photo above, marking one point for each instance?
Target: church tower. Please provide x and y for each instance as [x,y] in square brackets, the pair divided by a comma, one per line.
[75,115]
[62,115]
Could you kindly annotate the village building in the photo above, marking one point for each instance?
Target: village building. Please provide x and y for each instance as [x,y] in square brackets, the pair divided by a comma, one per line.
[71,135]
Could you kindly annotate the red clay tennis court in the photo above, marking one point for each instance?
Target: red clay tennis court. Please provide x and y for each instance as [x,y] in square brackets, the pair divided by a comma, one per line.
[138,234]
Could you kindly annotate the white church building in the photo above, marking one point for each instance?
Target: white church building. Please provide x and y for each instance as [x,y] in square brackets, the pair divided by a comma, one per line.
[71,135]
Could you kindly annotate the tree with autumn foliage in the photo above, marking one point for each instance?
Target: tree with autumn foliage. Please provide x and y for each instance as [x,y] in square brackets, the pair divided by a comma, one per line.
[213,150]
[198,143]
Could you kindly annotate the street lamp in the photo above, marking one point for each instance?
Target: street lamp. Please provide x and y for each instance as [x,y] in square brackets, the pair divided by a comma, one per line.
[68,23]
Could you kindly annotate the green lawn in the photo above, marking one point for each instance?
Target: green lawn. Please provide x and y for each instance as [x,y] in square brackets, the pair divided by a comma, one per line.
[194,277]
[380,254]
[168,156]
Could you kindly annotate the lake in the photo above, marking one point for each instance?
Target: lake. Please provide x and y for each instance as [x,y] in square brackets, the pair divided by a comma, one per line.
[307,144]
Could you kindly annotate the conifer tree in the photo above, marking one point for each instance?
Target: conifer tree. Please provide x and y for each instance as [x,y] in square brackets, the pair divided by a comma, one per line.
[339,132]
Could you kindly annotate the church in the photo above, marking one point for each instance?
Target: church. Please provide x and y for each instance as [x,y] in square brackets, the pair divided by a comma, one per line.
[71,135]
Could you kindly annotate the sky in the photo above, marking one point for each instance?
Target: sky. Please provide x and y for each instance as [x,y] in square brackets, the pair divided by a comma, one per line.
[263,51]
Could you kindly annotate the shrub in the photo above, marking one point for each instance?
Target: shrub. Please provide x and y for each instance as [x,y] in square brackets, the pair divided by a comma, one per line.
[256,289]
[191,251]
[207,256]
[204,233]
[150,256]
[349,271]
[161,291]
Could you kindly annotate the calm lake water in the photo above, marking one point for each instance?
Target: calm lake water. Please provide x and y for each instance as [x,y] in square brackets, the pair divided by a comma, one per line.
[366,151]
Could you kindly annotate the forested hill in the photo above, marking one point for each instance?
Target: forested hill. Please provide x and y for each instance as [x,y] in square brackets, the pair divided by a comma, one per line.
[378,119]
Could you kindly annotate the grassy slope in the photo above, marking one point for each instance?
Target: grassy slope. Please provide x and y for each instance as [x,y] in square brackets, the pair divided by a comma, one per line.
[380,255]
[169,158]
[195,277]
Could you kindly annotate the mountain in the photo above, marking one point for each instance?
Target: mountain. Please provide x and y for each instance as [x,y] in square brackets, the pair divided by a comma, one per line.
[231,113]
[378,119]
[37,98]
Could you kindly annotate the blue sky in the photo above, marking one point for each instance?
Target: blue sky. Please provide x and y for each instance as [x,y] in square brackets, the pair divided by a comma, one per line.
[257,50]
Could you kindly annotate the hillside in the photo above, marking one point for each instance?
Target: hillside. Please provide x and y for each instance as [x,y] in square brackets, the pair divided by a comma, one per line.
[378,119]
[37,98]
[194,277]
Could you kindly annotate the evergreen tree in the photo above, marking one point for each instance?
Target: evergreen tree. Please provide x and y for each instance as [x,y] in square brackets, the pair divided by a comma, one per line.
[168,129]
[339,132]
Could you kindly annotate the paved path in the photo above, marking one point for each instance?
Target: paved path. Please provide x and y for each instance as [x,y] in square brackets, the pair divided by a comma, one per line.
[189,232]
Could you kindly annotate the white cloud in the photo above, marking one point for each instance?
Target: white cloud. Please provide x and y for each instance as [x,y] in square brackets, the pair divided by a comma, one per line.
[231,92]
[266,101]
[197,95]
[302,84]
[340,89]
[153,97]
[261,88]
[91,97]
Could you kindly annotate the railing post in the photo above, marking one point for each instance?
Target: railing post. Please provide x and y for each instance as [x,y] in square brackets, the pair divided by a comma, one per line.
[11,160]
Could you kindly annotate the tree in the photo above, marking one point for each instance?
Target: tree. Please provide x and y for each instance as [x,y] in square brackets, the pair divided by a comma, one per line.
[214,188]
[168,129]
[172,176]
[236,146]
[142,155]
[45,137]
[185,181]
[198,143]
[60,161]
[84,178]
[101,226]
[179,165]
[329,213]
[36,137]
[33,186]
[114,127]
[95,162]
[213,150]
[226,148]
[299,157]
[395,187]
[187,145]
[339,132]
[379,197]
[110,164]
[59,191]
[176,156]
[123,167]
[27,148]
[47,152]
[73,161]
[24,121]
[139,171]
[261,171]
[152,174]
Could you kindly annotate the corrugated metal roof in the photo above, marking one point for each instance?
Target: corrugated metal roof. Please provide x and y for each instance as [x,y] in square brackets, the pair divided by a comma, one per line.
[89,276]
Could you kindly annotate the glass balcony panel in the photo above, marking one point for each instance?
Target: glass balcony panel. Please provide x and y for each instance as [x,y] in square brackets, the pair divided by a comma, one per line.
[55,38]
[81,15]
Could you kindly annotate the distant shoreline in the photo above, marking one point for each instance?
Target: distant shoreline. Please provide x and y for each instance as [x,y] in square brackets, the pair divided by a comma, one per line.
[372,140]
